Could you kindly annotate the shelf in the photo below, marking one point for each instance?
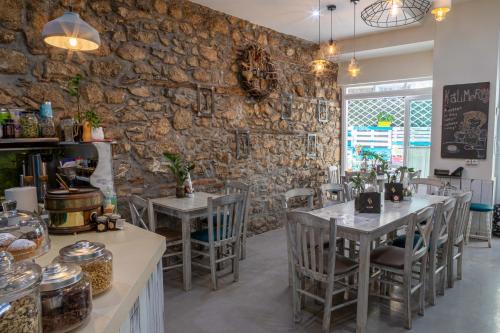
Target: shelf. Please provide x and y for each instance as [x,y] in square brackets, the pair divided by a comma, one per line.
[40,143]
[28,141]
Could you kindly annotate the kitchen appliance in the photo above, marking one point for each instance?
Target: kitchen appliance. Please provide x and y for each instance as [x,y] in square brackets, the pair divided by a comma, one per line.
[73,211]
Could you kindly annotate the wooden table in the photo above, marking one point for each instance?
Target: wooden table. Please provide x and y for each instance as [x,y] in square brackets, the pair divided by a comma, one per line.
[186,209]
[366,228]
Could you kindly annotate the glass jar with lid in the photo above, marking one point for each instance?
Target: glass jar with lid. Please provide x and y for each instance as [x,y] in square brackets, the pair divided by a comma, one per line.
[20,308]
[94,260]
[29,125]
[23,235]
[66,295]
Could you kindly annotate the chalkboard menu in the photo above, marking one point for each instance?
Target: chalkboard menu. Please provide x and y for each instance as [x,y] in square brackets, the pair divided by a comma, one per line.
[465,120]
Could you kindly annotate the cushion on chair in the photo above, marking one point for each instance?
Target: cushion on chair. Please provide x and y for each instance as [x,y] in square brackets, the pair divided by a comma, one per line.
[344,265]
[478,207]
[390,256]
[202,235]
[169,234]
[400,241]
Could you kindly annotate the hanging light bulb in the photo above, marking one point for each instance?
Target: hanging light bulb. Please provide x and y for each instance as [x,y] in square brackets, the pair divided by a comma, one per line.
[395,6]
[332,50]
[440,8]
[70,32]
[353,68]
[319,65]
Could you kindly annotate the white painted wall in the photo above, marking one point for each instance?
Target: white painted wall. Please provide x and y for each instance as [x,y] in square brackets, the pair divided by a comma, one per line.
[398,67]
[466,50]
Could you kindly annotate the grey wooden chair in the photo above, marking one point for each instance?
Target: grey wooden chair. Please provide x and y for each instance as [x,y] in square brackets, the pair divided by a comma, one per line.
[432,186]
[438,255]
[223,235]
[457,235]
[173,238]
[333,172]
[348,191]
[313,265]
[307,193]
[232,187]
[330,194]
[409,263]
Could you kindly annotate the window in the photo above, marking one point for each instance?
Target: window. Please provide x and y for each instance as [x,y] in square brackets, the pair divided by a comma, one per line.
[403,136]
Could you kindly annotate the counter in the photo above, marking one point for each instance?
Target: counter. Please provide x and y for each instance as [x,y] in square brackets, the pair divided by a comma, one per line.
[135,301]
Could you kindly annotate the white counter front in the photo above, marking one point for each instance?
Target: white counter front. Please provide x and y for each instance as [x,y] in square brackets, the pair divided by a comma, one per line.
[135,301]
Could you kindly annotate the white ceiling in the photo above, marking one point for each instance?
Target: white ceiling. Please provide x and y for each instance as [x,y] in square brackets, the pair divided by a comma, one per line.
[294,17]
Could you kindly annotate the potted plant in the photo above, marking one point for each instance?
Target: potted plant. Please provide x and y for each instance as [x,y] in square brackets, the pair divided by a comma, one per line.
[180,170]
[93,122]
[73,87]
[357,189]
[384,119]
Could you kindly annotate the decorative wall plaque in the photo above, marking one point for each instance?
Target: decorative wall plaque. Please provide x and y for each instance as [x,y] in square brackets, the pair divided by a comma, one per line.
[286,106]
[257,72]
[242,144]
[206,101]
[311,145]
[323,110]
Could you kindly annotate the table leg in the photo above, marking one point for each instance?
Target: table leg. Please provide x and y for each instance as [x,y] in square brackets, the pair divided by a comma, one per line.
[186,251]
[152,216]
[363,283]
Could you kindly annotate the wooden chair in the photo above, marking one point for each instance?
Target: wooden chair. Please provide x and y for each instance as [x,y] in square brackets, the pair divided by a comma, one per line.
[312,263]
[220,242]
[438,255]
[409,263]
[433,186]
[237,187]
[327,192]
[348,191]
[138,210]
[457,235]
[333,172]
[298,193]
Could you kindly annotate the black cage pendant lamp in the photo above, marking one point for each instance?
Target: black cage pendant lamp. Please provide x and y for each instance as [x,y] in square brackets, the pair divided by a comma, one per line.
[395,13]
[353,67]
[333,49]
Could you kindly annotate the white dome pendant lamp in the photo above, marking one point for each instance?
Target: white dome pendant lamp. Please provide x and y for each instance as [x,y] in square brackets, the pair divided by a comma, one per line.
[70,32]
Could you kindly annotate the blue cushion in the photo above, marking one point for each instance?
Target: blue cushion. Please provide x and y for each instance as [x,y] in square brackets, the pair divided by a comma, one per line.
[477,207]
[400,241]
[202,235]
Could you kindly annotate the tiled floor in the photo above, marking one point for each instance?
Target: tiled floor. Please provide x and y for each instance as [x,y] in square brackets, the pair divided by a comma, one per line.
[261,302]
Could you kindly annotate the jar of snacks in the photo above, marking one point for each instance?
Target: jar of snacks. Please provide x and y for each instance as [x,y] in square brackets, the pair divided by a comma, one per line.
[66,297]
[94,260]
[19,296]
[22,235]
[29,125]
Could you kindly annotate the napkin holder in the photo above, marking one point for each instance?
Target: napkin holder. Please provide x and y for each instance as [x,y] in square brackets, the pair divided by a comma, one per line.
[369,202]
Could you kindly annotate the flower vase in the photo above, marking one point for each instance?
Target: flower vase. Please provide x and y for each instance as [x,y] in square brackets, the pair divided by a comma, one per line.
[180,192]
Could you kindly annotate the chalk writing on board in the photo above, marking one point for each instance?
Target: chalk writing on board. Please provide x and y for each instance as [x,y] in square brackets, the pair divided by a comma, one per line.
[465,120]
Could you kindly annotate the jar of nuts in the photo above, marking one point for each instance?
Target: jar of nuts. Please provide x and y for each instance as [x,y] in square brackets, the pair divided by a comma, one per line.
[20,309]
[94,260]
[66,297]
[29,125]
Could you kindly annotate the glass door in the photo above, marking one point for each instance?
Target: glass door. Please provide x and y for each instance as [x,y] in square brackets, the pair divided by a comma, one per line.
[418,119]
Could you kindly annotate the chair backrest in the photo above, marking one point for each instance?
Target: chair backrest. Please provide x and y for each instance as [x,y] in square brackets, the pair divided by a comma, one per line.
[333,174]
[138,211]
[305,238]
[415,174]
[422,221]
[236,187]
[227,214]
[326,192]
[461,216]
[348,191]
[298,193]
[431,185]
[442,223]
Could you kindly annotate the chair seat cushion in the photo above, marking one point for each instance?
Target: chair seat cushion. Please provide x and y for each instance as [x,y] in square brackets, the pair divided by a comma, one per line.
[169,234]
[400,241]
[478,207]
[344,265]
[202,235]
[391,256]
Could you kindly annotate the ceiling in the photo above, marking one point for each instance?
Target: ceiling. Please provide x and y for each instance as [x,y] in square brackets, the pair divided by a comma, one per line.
[295,17]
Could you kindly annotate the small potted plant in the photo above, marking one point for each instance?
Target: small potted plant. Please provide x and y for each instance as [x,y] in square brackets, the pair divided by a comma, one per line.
[384,119]
[93,121]
[357,189]
[180,170]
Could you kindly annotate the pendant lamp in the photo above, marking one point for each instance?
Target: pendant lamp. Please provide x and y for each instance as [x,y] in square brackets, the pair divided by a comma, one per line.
[440,8]
[333,49]
[319,65]
[353,67]
[70,32]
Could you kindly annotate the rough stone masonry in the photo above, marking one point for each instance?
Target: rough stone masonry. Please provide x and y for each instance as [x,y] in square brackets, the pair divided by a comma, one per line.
[142,82]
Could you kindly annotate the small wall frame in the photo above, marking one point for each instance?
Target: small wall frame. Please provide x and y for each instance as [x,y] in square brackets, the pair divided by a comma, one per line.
[311,143]
[286,106]
[323,110]
[206,101]
[242,144]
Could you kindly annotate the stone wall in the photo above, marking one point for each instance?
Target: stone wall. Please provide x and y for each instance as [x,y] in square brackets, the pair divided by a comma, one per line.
[142,82]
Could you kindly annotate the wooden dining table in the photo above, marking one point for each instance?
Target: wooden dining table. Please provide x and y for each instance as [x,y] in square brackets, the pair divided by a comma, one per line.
[365,228]
[185,209]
